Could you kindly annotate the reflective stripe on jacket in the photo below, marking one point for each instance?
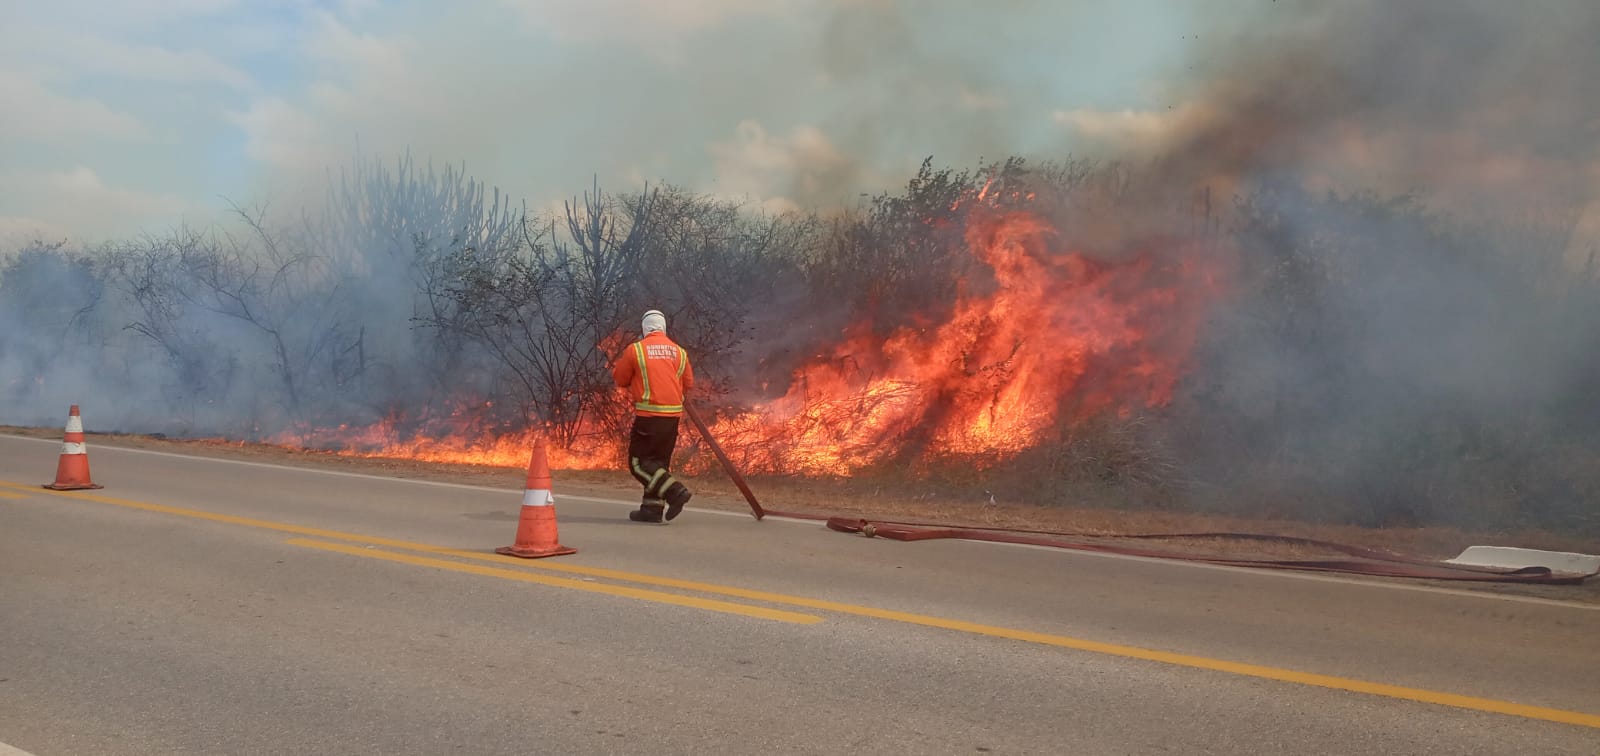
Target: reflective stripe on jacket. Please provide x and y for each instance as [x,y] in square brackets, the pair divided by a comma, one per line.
[656,372]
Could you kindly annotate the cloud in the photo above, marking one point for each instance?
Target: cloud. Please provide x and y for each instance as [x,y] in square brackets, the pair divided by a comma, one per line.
[17,231]
[356,8]
[973,99]
[660,26]
[376,92]
[281,134]
[132,14]
[539,96]
[80,200]
[367,78]
[37,114]
[1133,131]
[808,102]
[333,41]
[110,58]
[781,172]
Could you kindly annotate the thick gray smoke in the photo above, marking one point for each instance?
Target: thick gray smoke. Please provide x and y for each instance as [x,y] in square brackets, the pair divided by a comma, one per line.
[258,324]
[1405,360]
[1482,106]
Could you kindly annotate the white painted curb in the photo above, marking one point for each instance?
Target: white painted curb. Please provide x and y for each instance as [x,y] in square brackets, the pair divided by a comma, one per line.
[1515,559]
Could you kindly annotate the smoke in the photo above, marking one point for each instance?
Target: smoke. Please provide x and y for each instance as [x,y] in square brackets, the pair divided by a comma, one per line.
[1482,106]
[1381,359]
[802,103]
[1401,360]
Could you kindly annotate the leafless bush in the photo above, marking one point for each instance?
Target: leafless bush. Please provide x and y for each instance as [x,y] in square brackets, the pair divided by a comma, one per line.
[392,231]
[546,308]
[725,277]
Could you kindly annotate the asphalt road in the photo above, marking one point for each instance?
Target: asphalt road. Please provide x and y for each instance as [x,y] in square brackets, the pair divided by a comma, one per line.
[213,607]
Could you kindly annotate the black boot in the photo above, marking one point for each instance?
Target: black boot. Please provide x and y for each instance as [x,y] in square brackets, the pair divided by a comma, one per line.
[677,496]
[649,511]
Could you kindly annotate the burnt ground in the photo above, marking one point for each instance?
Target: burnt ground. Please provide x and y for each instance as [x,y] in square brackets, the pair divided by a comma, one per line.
[868,499]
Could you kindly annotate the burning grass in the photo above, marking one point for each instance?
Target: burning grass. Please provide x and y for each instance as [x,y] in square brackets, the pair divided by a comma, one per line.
[1053,338]
[1040,341]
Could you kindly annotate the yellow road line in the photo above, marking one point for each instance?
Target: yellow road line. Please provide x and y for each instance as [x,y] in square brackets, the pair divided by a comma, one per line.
[322,533]
[530,577]
[1110,649]
[201,514]
[12,495]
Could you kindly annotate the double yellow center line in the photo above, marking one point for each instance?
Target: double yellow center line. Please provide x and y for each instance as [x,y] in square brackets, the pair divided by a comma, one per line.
[433,553]
[371,541]
[558,582]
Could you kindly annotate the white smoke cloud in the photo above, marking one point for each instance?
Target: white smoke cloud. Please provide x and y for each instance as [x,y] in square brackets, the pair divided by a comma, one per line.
[540,97]
[35,113]
[777,169]
[1128,131]
[99,56]
[281,134]
[793,102]
[79,202]
[660,27]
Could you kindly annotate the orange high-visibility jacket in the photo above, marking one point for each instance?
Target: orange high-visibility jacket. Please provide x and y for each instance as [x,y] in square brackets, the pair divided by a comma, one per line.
[657,372]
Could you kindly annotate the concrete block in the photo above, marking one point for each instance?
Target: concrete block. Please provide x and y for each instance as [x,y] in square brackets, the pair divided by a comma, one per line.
[1514,558]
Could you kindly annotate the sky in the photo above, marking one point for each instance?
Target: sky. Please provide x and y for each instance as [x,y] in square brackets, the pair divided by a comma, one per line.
[130,116]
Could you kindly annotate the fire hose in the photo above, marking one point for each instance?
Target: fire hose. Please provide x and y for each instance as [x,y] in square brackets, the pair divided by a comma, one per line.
[1362,561]
[727,464]
[1367,562]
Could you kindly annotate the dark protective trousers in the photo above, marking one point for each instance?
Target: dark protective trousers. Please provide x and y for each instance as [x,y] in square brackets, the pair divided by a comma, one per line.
[650,447]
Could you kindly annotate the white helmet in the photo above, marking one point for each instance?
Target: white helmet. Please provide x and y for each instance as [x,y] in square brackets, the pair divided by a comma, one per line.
[654,321]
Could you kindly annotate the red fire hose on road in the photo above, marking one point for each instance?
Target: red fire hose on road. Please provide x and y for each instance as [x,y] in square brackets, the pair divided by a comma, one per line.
[1367,562]
[1364,561]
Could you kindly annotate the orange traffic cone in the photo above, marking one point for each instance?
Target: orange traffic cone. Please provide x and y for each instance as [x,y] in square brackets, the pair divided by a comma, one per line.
[536,531]
[72,471]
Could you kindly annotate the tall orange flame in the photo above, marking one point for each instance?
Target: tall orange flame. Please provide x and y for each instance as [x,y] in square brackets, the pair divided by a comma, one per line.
[1062,337]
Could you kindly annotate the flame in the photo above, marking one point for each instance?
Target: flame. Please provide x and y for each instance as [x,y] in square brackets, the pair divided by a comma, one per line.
[462,437]
[1056,337]
[1061,337]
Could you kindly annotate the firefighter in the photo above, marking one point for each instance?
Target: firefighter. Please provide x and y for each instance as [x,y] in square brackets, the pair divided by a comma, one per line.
[657,373]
